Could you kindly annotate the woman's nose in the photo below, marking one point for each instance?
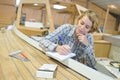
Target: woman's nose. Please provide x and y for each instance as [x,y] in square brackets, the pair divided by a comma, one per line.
[83,27]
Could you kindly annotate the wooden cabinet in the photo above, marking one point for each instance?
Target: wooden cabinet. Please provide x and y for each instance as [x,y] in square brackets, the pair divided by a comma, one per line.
[102,48]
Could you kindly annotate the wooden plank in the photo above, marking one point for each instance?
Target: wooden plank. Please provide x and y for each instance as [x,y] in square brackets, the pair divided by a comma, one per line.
[1,73]
[77,75]
[23,70]
[32,65]
[8,69]
[32,31]
[49,16]
[26,73]
[106,17]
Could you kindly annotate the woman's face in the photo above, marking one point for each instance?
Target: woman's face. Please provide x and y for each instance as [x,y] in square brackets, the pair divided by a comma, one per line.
[84,26]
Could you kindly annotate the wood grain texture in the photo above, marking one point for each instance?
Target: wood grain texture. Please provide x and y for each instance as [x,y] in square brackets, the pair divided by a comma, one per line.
[14,69]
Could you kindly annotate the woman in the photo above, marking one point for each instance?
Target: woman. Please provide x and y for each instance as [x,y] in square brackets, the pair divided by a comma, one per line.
[75,39]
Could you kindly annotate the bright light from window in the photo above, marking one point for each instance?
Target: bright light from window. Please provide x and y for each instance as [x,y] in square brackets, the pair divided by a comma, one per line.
[17,2]
[35,4]
[112,6]
[59,6]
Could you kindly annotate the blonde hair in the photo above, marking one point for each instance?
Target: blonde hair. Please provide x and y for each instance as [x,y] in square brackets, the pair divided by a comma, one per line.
[93,17]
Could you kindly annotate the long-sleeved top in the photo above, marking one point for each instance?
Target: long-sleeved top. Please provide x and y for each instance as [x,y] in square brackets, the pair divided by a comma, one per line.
[67,33]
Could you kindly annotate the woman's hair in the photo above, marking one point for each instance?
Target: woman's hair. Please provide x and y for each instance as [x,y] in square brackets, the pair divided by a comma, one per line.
[93,17]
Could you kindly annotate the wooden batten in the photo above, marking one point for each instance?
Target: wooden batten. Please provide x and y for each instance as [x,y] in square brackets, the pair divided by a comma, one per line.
[49,14]
[32,31]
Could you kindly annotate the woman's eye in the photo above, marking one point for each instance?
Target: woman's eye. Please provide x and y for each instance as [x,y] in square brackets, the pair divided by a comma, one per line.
[82,23]
[87,27]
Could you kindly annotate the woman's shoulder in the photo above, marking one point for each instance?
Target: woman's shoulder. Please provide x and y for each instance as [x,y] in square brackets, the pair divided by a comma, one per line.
[65,27]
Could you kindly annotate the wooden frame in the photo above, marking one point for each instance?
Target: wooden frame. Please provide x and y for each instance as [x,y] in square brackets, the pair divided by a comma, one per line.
[36,31]
[72,8]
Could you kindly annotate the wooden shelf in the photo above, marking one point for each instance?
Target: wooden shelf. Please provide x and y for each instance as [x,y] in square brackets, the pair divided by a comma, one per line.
[32,31]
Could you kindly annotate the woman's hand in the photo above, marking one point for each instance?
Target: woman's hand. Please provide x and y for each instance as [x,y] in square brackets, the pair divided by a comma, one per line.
[83,38]
[63,49]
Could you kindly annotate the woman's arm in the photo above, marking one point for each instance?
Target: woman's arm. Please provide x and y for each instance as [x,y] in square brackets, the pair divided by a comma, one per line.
[48,42]
[89,51]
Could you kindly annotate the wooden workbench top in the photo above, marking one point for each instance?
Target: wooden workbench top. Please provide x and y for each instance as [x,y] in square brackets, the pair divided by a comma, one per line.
[14,69]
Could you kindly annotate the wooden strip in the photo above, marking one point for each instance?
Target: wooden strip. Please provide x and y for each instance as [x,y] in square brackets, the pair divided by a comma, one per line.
[25,73]
[8,69]
[29,67]
[2,77]
[76,74]
[22,68]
